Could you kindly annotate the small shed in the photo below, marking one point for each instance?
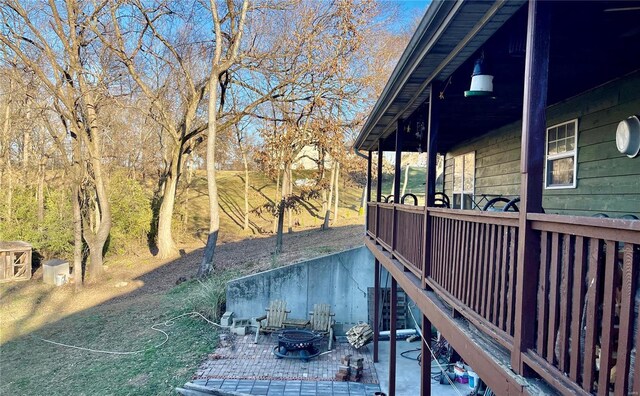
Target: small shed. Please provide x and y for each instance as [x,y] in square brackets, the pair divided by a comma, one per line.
[15,261]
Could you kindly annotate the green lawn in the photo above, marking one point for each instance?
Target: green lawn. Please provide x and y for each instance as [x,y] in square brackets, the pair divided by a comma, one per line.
[415,183]
[29,366]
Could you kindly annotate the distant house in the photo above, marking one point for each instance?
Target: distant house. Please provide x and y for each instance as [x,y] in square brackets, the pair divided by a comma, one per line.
[308,159]
[528,260]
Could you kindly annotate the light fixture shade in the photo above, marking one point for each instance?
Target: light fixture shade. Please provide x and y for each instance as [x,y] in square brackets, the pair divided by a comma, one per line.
[481,81]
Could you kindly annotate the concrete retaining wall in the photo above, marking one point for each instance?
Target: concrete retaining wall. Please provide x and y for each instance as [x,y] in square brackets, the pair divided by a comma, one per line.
[339,279]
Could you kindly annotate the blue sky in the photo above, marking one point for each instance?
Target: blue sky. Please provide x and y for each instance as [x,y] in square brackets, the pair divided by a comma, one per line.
[412,7]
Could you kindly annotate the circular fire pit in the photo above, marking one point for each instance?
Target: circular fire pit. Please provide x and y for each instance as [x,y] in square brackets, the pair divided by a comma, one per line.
[297,344]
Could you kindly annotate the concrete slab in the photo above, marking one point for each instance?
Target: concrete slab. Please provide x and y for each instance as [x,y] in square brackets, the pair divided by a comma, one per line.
[408,372]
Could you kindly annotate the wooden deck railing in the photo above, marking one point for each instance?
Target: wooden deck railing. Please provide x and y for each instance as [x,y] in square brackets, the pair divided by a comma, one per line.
[409,223]
[372,211]
[587,313]
[385,225]
[473,264]
[588,301]
[401,231]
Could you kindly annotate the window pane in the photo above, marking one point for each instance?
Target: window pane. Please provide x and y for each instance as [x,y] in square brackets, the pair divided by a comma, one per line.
[571,129]
[562,131]
[560,172]
[553,148]
[562,146]
[467,201]
[571,144]
[553,133]
[457,173]
[457,201]
[469,168]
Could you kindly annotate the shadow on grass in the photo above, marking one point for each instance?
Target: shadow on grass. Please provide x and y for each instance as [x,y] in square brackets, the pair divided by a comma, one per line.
[235,213]
[121,323]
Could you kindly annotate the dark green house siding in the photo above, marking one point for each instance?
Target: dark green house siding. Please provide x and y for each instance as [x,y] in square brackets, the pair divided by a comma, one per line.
[607,181]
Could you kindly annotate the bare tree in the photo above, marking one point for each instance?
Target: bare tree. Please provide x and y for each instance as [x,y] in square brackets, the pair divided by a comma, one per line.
[166,68]
[226,54]
[54,42]
[241,139]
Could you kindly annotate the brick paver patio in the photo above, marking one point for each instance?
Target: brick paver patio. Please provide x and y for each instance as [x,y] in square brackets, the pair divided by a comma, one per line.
[240,365]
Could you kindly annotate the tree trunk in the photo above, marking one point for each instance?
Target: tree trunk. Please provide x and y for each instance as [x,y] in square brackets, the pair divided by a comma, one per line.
[26,144]
[335,210]
[187,192]
[284,184]
[77,238]
[93,233]
[91,137]
[404,184]
[206,266]
[9,193]
[280,227]
[40,195]
[96,214]
[327,214]
[96,240]
[246,189]
[277,199]
[286,177]
[96,269]
[321,179]
[6,125]
[164,239]
[289,193]
[324,205]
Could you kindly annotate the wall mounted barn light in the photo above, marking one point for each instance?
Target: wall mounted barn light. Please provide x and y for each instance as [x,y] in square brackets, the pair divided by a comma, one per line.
[628,137]
[481,80]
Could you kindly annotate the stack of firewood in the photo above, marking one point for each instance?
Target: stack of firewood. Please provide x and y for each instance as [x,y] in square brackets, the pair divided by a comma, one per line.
[350,369]
[359,335]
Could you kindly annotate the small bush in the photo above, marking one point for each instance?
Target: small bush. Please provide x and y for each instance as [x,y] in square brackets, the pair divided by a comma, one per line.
[57,236]
[131,214]
[51,237]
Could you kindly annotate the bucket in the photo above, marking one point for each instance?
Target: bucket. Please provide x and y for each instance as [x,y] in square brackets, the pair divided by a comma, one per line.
[473,379]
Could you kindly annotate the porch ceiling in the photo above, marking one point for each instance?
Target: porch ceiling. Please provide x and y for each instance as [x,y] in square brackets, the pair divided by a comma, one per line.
[449,33]
[592,43]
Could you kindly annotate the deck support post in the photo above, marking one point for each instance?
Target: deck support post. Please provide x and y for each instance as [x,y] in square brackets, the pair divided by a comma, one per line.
[398,164]
[536,78]
[396,181]
[378,188]
[367,197]
[376,310]
[425,358]
[379,174]
[393,318]
[433,127]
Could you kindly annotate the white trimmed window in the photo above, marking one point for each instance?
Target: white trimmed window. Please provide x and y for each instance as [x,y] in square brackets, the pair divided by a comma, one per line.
[561,155]
[464,170]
